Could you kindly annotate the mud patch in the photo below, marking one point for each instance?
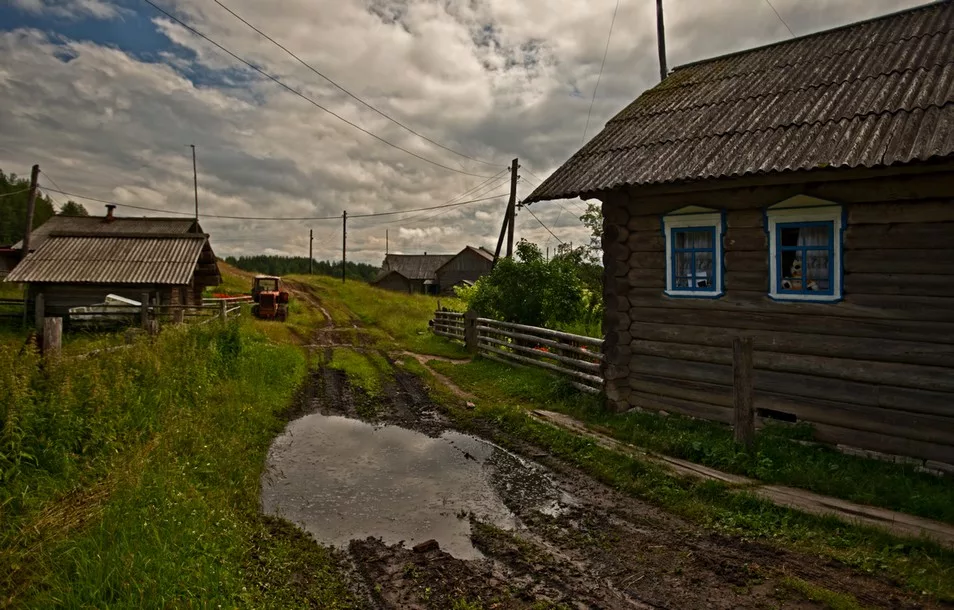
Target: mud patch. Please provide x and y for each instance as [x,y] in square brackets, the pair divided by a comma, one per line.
[342,479]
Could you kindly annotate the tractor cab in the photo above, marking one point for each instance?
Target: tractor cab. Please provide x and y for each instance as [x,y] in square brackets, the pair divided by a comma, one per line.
[270,297]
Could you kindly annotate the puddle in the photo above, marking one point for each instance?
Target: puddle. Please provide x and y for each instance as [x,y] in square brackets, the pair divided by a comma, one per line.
[342,479]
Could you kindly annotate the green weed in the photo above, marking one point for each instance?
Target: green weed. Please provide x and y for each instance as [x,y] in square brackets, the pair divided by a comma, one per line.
[830,599]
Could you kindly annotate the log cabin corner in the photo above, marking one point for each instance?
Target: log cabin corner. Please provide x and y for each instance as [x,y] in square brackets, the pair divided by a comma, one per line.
[801,194]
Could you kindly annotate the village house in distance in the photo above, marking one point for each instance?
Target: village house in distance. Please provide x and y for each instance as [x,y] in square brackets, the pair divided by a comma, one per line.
[800,194]
[433,273]
[76,261]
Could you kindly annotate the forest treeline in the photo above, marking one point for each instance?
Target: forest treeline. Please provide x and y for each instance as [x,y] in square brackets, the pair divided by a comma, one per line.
[287,265]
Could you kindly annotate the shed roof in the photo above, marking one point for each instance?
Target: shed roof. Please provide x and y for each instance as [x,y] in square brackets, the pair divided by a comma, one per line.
[99,225]
[870,94]
[489,256]
[112,259]
[415,266]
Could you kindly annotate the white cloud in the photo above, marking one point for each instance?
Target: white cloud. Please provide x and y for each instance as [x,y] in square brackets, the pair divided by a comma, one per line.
[493,79]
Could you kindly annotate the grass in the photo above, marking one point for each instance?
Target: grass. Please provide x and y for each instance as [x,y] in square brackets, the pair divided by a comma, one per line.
[401,319]
[364,369]
[506,394]
[776,458]
[826,597]
[132,478]
[10,290]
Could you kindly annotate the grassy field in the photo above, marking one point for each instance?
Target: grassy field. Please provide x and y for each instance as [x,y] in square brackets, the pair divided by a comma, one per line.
[505,394]
[131,479]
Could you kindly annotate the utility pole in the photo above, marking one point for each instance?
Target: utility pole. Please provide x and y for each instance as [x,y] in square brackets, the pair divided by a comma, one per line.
[661,39]
[344,245]
[386,242]
[31,206]
[195,186]
[311,258]
[507,227]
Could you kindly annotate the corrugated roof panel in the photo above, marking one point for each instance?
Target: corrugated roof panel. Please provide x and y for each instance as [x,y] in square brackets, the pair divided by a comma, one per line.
[111,260]
[98,224]
[876,93]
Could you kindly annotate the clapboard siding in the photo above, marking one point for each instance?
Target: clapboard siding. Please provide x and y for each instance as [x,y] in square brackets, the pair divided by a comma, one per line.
[875,370]
[60,298]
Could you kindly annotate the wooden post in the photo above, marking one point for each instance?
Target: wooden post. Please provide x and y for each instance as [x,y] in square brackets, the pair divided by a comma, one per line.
[52,336]
[31,206]
[661,39]
[311,258]
[344,244]
[742,381]
[470,330]
[144,311]
[512,207]
[223,310]
[178,315]
[39,311]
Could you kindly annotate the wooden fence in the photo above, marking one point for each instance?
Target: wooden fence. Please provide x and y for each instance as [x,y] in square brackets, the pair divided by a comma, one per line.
[573,356]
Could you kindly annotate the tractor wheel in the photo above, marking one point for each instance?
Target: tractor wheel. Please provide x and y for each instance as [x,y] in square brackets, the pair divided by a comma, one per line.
[282,313]
[255,310]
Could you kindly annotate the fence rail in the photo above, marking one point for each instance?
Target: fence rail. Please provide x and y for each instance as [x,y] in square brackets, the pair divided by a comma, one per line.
[573,356]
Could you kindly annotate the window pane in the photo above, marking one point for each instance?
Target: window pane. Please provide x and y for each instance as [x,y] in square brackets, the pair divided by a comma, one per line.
[816,270]
[692,238]
[805,258]
[704,276]
[682,263]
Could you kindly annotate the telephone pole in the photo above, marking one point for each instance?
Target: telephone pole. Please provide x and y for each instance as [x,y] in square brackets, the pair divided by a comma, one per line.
[510,215]
[344,245]
[31,206]
[195,186]
[661,39]
[386,242]
[311,258]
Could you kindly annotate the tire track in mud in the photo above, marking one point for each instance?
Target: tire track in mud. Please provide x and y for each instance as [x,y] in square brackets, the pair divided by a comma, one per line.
[609,550]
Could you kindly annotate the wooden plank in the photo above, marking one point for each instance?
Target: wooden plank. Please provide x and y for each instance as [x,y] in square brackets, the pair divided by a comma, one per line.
[858,348]
[645,223]
[746,240]
[748,219]
[743,413]
[927,211]
[646,241]
[927,311]
[922,377]
[593,379]
[482,329]
[916,261]
[930,236]
[689,408]
[747,261]
[648,260]
[647,278]
[575,362]
[747,280]
[906,284]
[885,443]
[546,332]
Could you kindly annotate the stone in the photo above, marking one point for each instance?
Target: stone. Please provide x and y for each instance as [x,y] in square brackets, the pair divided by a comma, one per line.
[427,546]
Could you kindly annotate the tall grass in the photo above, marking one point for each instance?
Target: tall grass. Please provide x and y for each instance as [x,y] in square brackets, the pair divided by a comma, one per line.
[131,479]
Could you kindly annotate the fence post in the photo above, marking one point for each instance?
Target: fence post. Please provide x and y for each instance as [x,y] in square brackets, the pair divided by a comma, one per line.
[144,311]
[744,415]
[470,330]
[52,336]
[223,311]
[178,315]
[39,311]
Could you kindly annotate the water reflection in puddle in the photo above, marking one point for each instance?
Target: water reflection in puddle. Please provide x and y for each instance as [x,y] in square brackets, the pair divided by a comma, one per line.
[342,479]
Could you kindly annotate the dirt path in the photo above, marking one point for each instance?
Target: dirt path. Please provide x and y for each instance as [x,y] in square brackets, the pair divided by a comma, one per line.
[602,549]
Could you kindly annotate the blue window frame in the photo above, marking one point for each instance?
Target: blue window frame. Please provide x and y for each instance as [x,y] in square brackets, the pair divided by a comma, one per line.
[805,258]
[693,260]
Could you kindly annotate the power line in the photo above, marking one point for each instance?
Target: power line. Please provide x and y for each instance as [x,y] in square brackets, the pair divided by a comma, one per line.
[302,95]
[602,63]
[527,208]
[352,95]
[557,202]
[774,10]
[282,218]
[14,193]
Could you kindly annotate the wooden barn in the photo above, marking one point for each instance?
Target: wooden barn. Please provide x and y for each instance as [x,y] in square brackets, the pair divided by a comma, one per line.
[801,194]
[411,273]
[78,260]
[465,268]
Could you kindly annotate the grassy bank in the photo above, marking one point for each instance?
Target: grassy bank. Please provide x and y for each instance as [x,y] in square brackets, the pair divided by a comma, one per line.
[396,320]
[505,394]
[131,479]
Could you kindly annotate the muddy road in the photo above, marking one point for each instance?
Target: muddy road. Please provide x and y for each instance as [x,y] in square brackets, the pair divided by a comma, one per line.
[429,517]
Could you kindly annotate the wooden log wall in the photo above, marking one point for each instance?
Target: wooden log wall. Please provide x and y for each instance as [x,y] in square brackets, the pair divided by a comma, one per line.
[875,370]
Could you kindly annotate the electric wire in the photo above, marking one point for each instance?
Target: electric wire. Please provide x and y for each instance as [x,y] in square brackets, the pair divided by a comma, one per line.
[774,10]
[14,193]
[352,95]
[600,76]
[303,96]
[269,218]
[543,225]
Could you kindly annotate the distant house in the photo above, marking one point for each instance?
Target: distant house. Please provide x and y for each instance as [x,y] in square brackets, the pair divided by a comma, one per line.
[9,257]
[78,260]
[801,194]
[464,268]
[412,273]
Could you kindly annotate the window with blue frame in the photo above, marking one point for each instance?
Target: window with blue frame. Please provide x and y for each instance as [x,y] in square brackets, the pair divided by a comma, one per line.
[693,255]
[805,258]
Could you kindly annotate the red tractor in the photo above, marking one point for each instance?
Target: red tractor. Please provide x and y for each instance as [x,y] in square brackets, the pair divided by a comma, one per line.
[271,299]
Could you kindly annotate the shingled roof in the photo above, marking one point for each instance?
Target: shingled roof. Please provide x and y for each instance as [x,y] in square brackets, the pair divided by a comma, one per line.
[870,94]
[415,266]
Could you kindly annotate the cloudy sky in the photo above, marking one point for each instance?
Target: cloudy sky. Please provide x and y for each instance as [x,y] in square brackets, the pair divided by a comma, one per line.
[106,95]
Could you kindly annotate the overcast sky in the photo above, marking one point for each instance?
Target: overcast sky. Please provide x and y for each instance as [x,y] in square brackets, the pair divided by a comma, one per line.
[106,95]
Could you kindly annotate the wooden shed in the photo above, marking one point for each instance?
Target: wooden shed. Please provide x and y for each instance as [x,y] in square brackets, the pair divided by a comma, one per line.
[78,260]
[465,268]
[802,194]
[413,273]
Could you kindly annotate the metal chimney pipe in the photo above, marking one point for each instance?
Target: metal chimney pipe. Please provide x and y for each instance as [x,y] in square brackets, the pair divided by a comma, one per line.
[661,39]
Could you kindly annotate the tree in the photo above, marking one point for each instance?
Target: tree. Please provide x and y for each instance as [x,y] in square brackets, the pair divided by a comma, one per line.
[13,207]
[592,219]
[71,208]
